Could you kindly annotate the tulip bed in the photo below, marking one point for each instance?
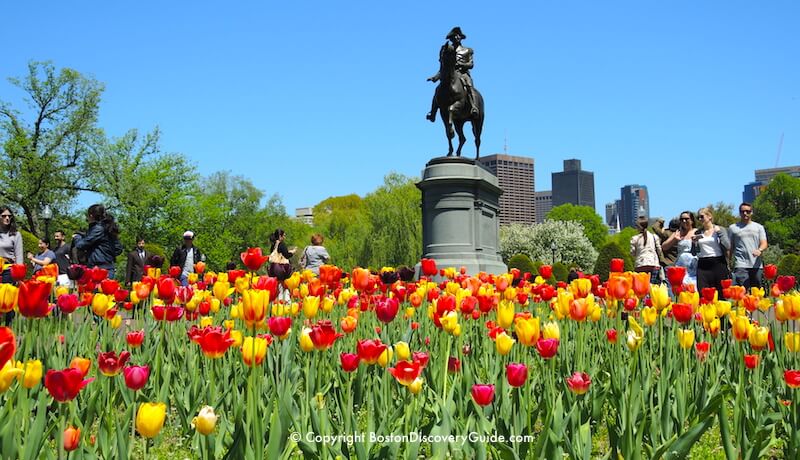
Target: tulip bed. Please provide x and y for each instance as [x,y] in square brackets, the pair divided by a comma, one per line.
[369,365]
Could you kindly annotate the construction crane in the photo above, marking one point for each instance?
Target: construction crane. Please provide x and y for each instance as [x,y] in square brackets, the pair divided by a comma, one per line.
[780,147]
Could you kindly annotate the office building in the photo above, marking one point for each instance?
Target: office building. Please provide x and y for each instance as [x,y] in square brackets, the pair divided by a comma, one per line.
[516,178]
[634,203]
[612,216]
[305,215]
[544,203]
[763,177]
[573,185]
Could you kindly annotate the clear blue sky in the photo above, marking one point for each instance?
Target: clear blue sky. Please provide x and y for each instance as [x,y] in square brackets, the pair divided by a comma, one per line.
[316,99]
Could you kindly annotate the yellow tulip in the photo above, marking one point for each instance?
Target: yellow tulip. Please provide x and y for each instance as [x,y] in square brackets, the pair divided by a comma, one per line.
[712,327]
[386,356]
[792,341]
[723,308]
[780,311]
[403,352]
[254,350]
[206,421]
[527,330]
[595,312]
[8,373]
[310,306]
[410,311]
[416,386]
[134,297]
[150,419]
[237,338]
[221,290]
[206,321]
[691,298]
[635,334]
[709,312]
[303,290]
[649,316]
[581,287]
[192,278]
[293,281]
[563,301]
[757,291]
[100,304]
[741,327]
[345,296]
[327,303]
[764,304]
[503,343]
[214,302]
[115,322]
[659,295]
[551,330]
[505,314]
[758,337]
[254,306]
[33,373]
[305,340]
[510,294]
[449,321]
[452,287]
[686,338]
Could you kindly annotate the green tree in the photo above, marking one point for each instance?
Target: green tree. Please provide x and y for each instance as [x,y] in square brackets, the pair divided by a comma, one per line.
[345,225]
[593,226]
[396,223]
[623,239]
[611,250]
[723,214]
[147,191]
[42,161]
[523,263]
[778,209]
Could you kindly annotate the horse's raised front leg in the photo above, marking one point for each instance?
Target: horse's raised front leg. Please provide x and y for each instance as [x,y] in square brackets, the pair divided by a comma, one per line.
[461,137]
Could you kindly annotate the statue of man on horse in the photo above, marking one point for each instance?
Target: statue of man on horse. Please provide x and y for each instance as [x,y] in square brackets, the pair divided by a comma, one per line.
[455,98]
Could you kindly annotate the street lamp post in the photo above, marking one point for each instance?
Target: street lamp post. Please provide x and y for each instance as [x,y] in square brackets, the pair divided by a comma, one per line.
[47,214]
[553,248]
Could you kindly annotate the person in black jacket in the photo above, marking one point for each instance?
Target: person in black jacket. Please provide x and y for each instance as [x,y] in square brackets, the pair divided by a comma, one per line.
[101,243]
[185,256]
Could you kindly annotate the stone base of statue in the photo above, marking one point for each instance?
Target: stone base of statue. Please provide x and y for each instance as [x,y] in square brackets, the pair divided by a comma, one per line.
[460,224]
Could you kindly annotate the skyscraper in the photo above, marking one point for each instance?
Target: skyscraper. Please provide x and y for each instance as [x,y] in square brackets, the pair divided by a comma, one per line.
[573,185]
[612,215]
[544,203]
[516,178]
[634,203]
[763,177]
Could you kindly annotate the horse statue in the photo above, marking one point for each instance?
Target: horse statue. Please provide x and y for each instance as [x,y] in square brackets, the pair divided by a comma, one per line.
[452,100]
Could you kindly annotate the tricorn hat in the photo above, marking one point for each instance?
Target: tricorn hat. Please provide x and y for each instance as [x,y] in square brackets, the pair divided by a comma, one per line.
[456,31]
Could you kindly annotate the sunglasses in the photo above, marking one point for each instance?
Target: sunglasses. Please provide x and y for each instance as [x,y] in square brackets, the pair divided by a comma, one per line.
[746,211]
[6,216]
[685,219]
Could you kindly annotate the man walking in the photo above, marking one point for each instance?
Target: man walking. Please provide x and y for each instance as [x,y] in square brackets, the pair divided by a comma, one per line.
[748,242]
[134,269]
[186,256]
[62,257]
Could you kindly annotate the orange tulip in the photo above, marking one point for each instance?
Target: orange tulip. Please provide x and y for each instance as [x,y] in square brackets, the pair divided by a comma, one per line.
[641,284]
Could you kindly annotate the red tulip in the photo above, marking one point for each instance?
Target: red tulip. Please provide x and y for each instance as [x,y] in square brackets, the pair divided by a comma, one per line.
[675,275]
[67,303]
[175,271]
[682,312]
[547,348]
[64,385]
[97,274]
[279,325]
[370,350]
[214,342]
[617,265]
[32,299]
[406,372]
[323,335]
[708,293]
[516,374]
[8,345]
[168,312]
[579,383]
[428,267]
[453,365]
[785,283]
[136,376]
[701,350]
[483,395]
[792,378]
[111,365]
[546,271]
[421,357]
[166,289]
[266,283]
[72,438]
[109,286]
[349,361]
[611,335]
[135,338]
[253,259]
[18,272]
[751,361]
[770,271]
[386,309]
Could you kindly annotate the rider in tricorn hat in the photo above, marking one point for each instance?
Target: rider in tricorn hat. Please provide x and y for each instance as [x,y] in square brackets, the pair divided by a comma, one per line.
[463,65]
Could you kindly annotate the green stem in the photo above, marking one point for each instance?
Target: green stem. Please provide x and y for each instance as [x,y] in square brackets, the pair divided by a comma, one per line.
[446,355]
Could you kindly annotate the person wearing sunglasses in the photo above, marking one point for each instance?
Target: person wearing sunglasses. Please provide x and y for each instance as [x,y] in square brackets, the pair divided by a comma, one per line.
[682,241]
[712,247]
[10,249]
[748,242]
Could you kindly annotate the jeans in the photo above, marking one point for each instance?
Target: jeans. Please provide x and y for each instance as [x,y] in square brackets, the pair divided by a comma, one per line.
[6,279]
[747,277]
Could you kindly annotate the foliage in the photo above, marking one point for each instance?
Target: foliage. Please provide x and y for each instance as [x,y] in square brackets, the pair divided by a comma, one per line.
[30,243]
[623,238]
[777,208]
[572,246]
[772,255]
[611,251]
[393,212]
[523,263]
[593,226]
[560,272]
[42,158]
[344,223]
[787,264]
[723,214]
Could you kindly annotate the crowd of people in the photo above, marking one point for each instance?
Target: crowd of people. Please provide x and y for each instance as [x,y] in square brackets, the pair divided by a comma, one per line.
[709,253]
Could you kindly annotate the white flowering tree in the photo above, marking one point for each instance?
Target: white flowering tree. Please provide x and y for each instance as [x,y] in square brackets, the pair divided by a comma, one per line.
[572,246]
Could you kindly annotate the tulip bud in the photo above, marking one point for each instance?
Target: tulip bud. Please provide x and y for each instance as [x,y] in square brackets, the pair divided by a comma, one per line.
[206,421]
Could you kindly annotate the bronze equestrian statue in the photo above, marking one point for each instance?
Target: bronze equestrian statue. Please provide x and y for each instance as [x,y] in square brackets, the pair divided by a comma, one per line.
[456,98]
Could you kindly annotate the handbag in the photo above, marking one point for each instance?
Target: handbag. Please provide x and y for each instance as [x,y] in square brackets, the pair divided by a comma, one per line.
[279,266]
[276,257]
